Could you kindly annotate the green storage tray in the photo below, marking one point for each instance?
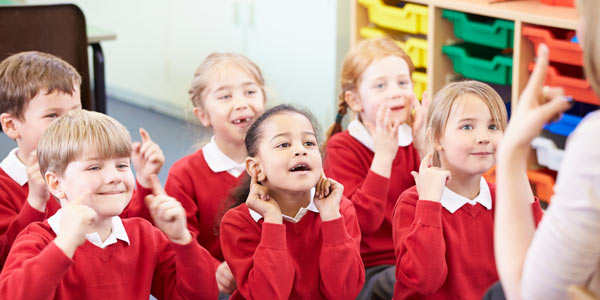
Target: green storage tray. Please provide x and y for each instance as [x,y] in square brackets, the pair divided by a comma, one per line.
[480,30]
[480,62]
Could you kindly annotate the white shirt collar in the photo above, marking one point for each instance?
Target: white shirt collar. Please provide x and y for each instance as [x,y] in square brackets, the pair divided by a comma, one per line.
[453,201]
[14,168]
[358,131]
[303,210]
[218,162]
[117,232]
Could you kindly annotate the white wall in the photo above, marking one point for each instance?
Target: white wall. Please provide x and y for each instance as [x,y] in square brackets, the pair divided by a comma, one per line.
[160,43]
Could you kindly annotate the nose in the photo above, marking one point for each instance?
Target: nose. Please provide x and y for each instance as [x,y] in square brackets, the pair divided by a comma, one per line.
[112,175]
[240,102]
[300,151]
[483,137]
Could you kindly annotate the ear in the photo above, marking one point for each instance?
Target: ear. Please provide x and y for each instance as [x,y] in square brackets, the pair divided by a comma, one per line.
[202,116]
[253,168]
[353,101]
[433,141]
[54,185]
[9,125]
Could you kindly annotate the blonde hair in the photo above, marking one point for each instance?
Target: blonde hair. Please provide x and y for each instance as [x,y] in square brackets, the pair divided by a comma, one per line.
[212,67]
[24,75]
[77,132]
[355,63]
[590,13]
[441,106]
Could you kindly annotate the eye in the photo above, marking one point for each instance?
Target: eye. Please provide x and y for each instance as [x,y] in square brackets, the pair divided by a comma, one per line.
[467,127]
[93,168]
[283,145]
[224,97]
[53,115]
[493,127]
[123,166]
[404,82]
[250,92]
[310,144]
[379,85]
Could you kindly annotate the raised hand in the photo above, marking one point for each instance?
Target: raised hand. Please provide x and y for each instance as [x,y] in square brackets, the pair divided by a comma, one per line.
[225,280]
[385,132]
[168,214]
[260,201]
[420,122]
[328,194]
[147,159]
[430,180]
[537,106]
[76,221]
[38,190]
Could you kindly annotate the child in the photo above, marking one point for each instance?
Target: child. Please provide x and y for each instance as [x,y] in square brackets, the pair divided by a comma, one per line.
[443,226]
[373,158]
[35,89]
[85,251]
[228,94]
[285,243]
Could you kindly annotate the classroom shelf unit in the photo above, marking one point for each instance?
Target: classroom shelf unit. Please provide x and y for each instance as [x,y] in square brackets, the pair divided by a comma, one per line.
[509,28]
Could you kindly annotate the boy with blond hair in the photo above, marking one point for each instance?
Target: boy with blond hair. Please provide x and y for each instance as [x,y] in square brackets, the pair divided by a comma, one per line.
[85,251]
[35,89]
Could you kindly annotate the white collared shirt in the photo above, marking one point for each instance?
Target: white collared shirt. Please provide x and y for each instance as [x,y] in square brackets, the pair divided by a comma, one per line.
[453,201]
[303,210]
[14,168]
[358,131]
[117,232]
[218,161]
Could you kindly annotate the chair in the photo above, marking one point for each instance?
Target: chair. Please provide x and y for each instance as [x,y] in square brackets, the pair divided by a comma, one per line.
[56,29]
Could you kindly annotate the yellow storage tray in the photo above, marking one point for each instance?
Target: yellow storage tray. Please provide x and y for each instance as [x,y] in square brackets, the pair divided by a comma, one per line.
[411,18]
[416,48]
[419,80]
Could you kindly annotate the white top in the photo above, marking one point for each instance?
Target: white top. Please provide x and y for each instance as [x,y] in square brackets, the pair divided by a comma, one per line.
[14,168]
[303,210]
[566,247]
[452,201]
[358,131]
[218,162]
[117,232]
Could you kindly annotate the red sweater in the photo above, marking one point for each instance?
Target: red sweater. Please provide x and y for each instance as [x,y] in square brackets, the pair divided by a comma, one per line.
[374,196]
[37,269]
[203,194]
[16,213]
[310,259]
[441,255]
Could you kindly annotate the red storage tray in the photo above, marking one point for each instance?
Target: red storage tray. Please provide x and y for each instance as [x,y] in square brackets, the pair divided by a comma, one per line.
[569,3]
[558,41]
[575,87]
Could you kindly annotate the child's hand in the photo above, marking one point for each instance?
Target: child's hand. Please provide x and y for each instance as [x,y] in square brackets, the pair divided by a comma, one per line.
[430,181]
[225,280]
[420,122]
[38,190]
[328,195]
[147,159]
[76,221]
[168,214]
[385,133]
[259,201]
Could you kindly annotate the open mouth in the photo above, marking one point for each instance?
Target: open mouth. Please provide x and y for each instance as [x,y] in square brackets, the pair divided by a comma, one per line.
[300,167]
[242,121]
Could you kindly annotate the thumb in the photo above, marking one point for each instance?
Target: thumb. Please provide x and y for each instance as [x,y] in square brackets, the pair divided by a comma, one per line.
[415,175]
[555,107]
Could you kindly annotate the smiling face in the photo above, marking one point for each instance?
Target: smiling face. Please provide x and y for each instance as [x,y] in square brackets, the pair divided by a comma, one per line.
[385,82]
[232,102]
[471,137]
[104,184]
[288,154]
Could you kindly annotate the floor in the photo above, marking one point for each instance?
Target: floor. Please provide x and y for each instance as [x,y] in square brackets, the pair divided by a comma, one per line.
[176,137]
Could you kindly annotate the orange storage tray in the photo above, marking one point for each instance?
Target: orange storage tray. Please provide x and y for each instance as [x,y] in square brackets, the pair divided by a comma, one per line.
[577,88]
[558,41]
[569,3]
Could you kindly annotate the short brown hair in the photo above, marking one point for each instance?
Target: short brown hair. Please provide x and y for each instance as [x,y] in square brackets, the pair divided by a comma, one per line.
[77,132]
[213,64]
[25,74]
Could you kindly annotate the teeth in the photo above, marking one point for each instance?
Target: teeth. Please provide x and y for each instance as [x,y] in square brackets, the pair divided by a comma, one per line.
[238,121]
[299,168]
